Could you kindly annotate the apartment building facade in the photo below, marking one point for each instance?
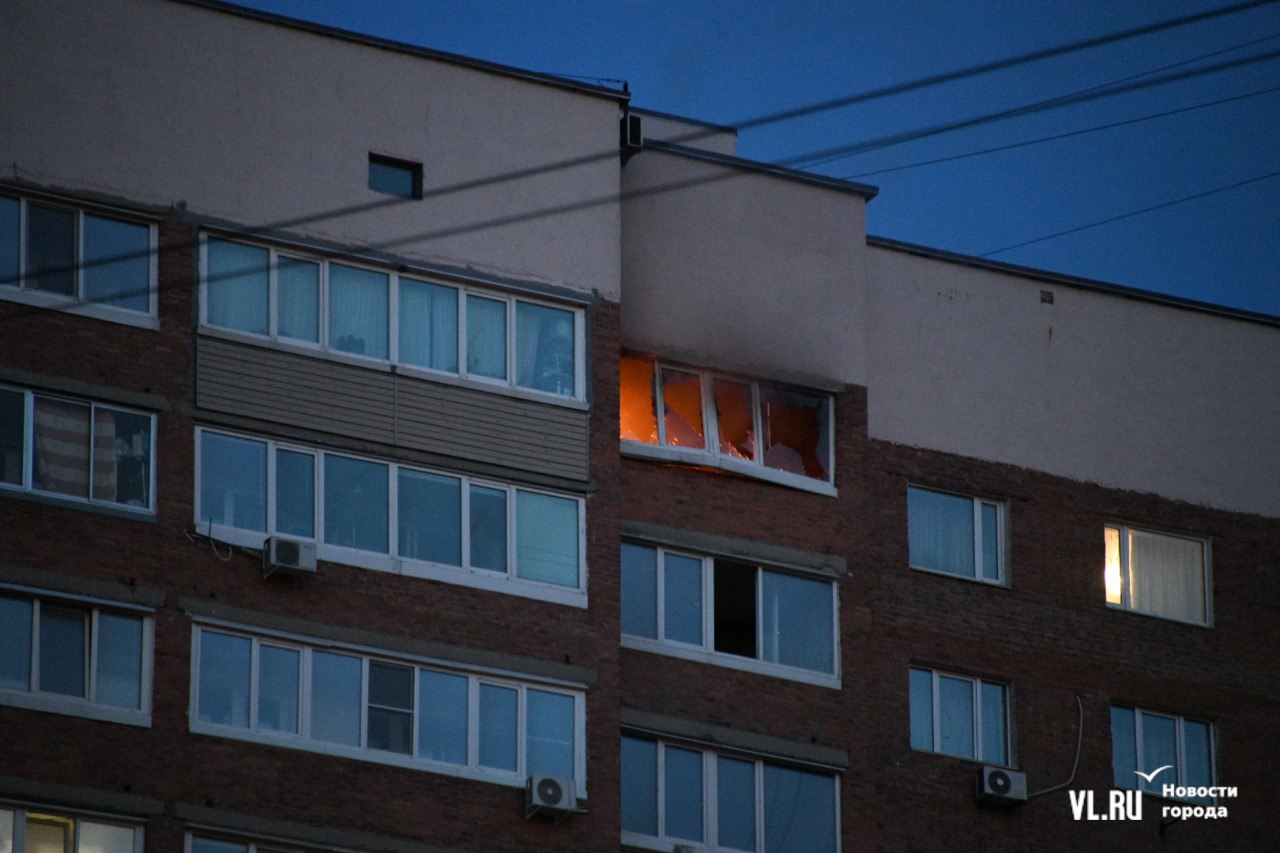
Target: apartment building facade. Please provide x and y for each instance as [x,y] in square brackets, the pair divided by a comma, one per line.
[638,467]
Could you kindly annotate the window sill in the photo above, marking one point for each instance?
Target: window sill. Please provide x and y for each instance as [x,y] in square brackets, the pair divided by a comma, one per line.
[69,305]
[651,842]
[1001,583]
[791,673]
[1119,608]
[116,510]
[974,761]
[474,578]
[705,459]
[72,707]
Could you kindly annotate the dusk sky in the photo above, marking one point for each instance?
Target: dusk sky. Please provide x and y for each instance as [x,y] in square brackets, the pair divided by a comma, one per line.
[732,62]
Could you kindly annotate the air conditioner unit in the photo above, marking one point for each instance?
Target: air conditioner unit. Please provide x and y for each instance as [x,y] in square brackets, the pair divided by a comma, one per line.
[1001,786]
[549,794]
[289,556]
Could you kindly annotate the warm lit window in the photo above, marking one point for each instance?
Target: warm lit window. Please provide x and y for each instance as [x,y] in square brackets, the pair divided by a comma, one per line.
[334,307]
[955,534]
[958,715]
[344,703]
[40,831]
[70,657]
[1147,741]
[766,430]
[64,257]
[84,451]
[1157,574]
[388,516]
[681,795]
[728,613]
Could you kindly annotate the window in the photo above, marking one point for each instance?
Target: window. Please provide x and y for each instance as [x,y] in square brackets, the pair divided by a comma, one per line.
[1157,574]
[729,613]
[41,831]
[341,702]
[955,535]
[59,256]
[674,794]
[428,327]
[1144,741]
[961,716]
[765,430]
[401,178]
[88,452]
[72,657]
[199,844]
[392,517]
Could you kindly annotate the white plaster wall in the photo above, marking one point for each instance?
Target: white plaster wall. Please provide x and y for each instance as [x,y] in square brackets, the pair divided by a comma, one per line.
[160,102]
[688,133]
[730,268]
[1095,387]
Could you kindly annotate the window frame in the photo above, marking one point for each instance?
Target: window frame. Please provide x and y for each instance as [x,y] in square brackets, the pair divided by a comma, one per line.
[710,793]
[413,167]
[28,455]
[35,699]
[705,652]
[465,575]
[22,811]
[710,454]
[1180,747]
[323,348]
[19,291]
[976,682]
[476,678]
[1126,582]
[1002,537]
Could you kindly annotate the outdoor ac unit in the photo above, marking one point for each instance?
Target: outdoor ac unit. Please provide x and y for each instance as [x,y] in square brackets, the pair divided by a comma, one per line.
[1001,786]
[551,794]
[289,556]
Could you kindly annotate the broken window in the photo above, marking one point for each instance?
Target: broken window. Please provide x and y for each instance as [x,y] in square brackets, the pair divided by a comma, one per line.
[635,388]
[682,408]
[734,417]
[796,431]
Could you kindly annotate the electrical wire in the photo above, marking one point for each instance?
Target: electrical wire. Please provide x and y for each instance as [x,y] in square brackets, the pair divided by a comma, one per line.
[1131,214]
[1075,765]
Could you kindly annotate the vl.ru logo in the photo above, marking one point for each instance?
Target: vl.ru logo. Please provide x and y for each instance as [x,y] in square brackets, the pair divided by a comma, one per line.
[1121,805]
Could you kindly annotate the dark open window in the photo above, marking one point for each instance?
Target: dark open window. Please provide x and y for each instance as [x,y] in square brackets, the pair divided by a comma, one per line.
[401,178]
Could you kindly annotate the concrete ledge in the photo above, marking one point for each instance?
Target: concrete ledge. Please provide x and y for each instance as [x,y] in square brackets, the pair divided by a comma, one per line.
[764,745]
[39,579]
[89,390]
[78,797]
[262,828]
[389,643]
[812,562]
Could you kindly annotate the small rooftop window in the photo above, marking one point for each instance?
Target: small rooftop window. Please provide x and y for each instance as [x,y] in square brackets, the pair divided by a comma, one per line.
[401,178]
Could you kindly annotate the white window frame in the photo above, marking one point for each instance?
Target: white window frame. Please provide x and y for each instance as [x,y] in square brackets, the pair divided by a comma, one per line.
[21,812]
[220,836]
[1002,538]
[975,683]
[710,794]
[28,453]
[20,292]
[705,652]
[36,700]
[306,647]
[465,575]
[322,348]
[1125,603]
[1180,746]
[710,454]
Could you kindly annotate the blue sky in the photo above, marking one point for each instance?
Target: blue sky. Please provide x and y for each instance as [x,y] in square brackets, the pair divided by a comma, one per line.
[730,62]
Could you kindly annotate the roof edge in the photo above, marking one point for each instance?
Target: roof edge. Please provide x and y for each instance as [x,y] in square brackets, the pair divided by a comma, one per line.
[867,191]
[412,49]
[724,128]
[1075,281]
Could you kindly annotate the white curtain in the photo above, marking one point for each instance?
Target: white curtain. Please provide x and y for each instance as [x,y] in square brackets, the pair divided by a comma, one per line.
[358,311]
[298,297]
[429,325]
[236,286]
[1166,575]
[940,532]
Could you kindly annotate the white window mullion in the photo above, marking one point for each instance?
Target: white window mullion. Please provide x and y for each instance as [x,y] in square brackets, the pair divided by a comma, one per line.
[757,422]
[1126,597]
[462,332]
[393,318]
[364,703]
[710,802]
[976,698]
[271,487]
[1179,750]
[937,712]
[979,569]
[255,654]
[28,439]
[77,261]
[473,722]
[22,244]
[522,697]
[464,490]
[511,342]
[662,789]
[93,441]
[658,404]
[153,270]
[513,570]
[91,658]
[710,418]
[304,691]
[661,594]
[759,616]
[708,604]
[35,645]
[273,293]
[1137,739]
[580,355]
[323,312]
[320,538]
[393,514]
[759,797]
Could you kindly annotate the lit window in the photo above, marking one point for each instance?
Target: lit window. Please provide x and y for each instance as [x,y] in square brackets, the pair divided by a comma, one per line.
[765,430]
[250,488]
[955,535]
[728,613]
[73,658]
[391,176]
[85,451]
[960,716]
[674,795]
[1156,573]
[493,339]
[394,712]
[1145,741]
[99,265]
[45,831]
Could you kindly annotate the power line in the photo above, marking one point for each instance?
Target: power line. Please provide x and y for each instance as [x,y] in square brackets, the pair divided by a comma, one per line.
[1131,213]
[1066,135]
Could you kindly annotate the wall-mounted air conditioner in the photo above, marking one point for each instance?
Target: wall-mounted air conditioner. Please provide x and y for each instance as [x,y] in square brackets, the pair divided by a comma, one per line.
[288,556]
[549,794]
[1001,786]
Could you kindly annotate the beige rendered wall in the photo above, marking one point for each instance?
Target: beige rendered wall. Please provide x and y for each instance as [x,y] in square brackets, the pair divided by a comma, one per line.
[1096,387]
[161,102]
[688,133]
[736,269]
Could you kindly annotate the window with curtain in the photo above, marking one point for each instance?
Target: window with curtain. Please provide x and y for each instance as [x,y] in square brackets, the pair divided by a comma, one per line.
[1143,741]
[955,534]
[1156,573]
[429,325]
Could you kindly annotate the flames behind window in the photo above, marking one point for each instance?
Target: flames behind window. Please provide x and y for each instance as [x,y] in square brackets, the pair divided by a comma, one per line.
[638,421]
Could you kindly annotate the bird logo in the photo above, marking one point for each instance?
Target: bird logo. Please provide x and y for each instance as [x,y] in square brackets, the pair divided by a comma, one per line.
[1152,774]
